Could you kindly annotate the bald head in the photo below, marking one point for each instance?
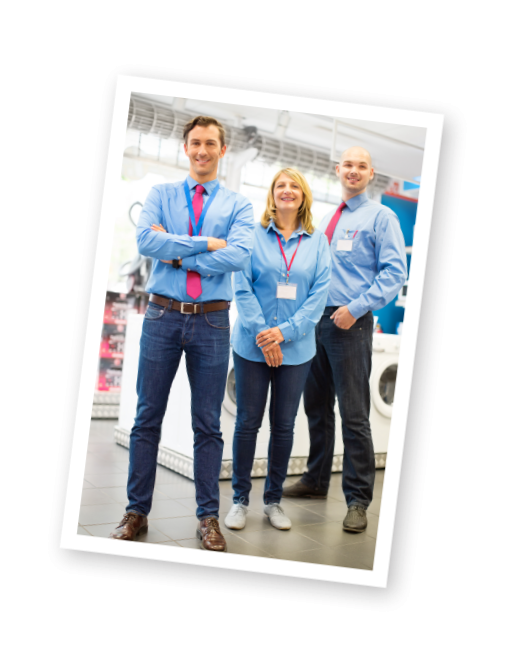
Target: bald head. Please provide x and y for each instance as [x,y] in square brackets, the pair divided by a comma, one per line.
[354,172]
[357,153]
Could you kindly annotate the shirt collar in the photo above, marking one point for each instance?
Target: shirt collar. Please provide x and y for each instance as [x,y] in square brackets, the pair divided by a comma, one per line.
[297,232]
[209,186]
[356,201]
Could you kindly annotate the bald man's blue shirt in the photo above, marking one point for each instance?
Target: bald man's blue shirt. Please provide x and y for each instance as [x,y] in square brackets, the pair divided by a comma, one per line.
[230,217]
[371,274]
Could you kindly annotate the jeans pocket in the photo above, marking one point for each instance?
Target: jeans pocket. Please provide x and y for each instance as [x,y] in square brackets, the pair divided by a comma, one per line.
[218,319]
[154,311]
[354,329]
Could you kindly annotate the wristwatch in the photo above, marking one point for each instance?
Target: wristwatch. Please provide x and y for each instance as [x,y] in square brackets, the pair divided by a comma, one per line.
[176,263]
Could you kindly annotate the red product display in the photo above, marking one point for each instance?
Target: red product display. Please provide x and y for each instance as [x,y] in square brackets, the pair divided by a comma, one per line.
[117,309]
[109,376]
[113,340]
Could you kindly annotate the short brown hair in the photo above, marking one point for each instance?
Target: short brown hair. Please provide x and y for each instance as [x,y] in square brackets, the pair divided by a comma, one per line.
[304,213]
[203,121]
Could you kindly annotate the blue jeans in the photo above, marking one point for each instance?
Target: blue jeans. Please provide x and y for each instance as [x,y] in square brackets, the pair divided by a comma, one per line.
[341,367]
[205,339]
[252,381]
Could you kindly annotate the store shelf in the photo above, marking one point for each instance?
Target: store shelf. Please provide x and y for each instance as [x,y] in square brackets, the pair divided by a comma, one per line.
[105,411]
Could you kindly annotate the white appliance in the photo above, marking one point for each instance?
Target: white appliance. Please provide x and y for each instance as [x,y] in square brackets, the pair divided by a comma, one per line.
[385,361]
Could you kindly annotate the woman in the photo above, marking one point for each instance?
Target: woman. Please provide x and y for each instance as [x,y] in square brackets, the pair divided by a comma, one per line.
[280,297]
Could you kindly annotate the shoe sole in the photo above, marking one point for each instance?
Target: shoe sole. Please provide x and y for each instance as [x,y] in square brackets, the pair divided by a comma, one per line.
[282,529]
[305,496]
[199,536]
[140,531]
[229,527]
[353,529]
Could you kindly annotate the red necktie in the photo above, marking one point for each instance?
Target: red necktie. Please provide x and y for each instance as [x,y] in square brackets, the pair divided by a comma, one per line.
[194,279]
[333,222]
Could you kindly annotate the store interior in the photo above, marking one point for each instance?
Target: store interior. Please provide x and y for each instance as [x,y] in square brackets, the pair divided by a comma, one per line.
[260,142]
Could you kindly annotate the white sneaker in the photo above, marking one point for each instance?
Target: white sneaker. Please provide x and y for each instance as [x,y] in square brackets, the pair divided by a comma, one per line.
[236,518]
[277,517]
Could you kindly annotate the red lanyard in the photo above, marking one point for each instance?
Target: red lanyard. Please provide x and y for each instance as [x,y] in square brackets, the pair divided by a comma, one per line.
[294,255]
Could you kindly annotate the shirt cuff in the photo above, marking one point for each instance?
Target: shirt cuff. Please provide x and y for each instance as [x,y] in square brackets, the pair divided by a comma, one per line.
[356,310]
[199,245]
[287,331]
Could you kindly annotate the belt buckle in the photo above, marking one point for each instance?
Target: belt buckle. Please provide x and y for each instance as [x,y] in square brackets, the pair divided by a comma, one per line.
[186,312]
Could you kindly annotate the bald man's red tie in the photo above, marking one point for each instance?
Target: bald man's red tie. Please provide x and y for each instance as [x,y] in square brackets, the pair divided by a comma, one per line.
[333,222]
[194,279]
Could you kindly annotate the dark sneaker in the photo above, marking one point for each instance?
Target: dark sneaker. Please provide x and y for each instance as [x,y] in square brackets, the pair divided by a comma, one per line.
[355,520]
[300,489]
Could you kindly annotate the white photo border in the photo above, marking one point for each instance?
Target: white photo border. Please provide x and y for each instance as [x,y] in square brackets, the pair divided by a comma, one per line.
[433,124]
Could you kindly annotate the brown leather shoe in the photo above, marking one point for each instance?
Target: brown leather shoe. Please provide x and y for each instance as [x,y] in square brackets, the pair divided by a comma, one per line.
[130,526]
[300,489]
[210,535]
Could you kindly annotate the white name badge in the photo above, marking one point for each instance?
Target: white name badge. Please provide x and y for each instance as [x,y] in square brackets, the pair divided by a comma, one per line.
[345,245]
[285,291]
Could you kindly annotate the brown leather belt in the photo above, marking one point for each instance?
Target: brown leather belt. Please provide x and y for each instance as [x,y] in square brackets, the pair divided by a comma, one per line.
[189,308]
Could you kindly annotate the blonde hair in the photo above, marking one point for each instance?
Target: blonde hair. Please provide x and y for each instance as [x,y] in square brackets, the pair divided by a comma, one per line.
[304,211]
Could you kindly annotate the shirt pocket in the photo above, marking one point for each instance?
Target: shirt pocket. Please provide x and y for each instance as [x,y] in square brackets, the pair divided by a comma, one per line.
[362,253]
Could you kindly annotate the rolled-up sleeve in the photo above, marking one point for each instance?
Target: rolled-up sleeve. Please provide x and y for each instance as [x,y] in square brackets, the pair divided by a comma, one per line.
[309,313]
[160,245]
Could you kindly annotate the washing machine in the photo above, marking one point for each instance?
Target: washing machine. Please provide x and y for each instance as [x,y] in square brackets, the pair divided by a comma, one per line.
[383,379]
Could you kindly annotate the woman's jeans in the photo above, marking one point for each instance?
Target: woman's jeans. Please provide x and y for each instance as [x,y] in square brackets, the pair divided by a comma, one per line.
[341,368]
[205,340]
[252,381]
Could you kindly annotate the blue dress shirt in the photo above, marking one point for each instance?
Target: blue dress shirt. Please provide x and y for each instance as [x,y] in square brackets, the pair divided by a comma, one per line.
[371,274]
[229,217]
[256,288]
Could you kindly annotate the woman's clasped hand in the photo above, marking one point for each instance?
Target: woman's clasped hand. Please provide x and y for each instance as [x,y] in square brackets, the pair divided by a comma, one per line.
[269,341]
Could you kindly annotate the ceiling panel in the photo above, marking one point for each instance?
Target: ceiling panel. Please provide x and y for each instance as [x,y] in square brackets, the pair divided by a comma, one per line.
[396,150]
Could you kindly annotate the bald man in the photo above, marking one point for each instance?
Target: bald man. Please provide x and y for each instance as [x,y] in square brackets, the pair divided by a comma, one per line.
[368,269]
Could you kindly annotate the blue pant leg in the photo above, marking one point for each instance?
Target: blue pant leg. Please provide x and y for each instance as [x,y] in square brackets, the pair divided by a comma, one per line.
[251,387]
[207,351]
[160,354]
[286,391]
[319,399]
[350,355]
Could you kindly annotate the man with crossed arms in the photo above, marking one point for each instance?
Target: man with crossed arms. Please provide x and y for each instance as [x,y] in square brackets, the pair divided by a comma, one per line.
[197,233]
[368,270]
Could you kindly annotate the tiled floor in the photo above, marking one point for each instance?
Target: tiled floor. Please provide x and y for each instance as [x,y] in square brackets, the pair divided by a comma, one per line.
[316,535]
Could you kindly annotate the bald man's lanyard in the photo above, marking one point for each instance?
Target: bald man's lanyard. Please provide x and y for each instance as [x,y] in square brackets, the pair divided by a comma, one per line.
[284,290]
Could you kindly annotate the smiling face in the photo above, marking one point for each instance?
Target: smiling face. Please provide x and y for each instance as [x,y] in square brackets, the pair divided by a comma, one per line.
[204,150]
[354,171]
[287,194]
